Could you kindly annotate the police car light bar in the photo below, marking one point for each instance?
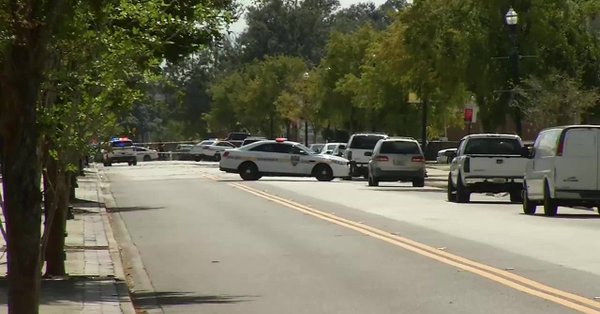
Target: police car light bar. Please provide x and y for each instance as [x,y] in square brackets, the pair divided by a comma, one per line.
[280,139]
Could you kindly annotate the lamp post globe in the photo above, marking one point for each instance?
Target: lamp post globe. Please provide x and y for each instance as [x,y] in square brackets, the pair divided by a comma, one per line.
[512,18]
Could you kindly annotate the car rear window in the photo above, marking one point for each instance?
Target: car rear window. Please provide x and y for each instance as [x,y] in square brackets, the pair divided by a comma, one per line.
[493,146]
[121,144]
[400,147]
[365,141]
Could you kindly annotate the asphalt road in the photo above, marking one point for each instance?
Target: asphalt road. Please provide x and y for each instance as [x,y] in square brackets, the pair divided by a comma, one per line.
[210,243]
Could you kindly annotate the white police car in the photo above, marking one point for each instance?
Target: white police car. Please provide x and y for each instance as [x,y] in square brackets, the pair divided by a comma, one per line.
[120,149]
[280,157]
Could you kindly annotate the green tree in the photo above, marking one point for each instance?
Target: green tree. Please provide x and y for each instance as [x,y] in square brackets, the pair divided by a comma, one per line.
[28,69]
[339,72]
[558,100]
[287,27]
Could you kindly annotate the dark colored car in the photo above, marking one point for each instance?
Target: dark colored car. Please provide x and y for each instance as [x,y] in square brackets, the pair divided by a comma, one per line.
[237,138]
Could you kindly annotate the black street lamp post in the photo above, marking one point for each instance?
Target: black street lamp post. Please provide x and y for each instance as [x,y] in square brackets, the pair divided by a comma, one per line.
[512,19]
[306,76]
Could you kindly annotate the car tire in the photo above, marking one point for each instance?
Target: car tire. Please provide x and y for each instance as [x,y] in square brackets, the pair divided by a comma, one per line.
[373,181]
[134,162]
[249,171]
[550,206]
[217,157]
[323,173]
[451,190]
[147,158]
[418,183]
[516,196]
[462,194]
[529,207]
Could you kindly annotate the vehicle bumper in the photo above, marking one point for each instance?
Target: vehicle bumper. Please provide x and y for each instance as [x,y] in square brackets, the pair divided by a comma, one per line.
[117,159]
[493,184]
[397,175]
[340,171]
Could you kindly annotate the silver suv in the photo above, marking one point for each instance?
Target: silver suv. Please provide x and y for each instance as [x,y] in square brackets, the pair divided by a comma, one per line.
[397,159]
[359,150]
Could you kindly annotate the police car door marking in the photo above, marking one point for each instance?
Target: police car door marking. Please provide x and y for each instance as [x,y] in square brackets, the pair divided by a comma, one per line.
[295,160]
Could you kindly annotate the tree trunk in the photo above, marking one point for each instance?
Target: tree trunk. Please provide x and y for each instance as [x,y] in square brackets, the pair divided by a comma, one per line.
[21,71]
[55,251]
[21,177]
[55,203]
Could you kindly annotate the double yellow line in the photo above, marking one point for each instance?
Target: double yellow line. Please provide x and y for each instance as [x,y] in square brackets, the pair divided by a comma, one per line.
[534,288]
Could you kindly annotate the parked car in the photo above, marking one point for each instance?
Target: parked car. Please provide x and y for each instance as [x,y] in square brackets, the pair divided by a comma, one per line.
[196,151]
[182,152]
[120,149]
[237,138]
[359,150]
[563,169]
[445,156]
[487,163]
[339,150]
[316,148]
[214,150]
[252,139]
[280,157]
[397,159]
[330,147]
[146,154]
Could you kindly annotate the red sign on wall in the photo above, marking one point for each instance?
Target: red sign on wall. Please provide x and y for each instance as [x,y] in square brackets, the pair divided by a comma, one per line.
[468,114]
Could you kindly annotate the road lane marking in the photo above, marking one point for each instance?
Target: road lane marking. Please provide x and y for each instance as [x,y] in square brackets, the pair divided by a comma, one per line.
[210,176]
[567,299]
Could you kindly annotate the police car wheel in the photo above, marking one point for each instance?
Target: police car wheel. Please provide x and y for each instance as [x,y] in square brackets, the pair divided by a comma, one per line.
[323,173]
[249,171]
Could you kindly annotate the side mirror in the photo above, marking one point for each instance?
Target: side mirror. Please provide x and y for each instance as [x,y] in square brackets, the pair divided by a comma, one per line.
[368,154]
[527,152]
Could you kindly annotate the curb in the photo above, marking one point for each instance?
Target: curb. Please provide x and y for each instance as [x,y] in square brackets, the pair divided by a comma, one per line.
[125,303]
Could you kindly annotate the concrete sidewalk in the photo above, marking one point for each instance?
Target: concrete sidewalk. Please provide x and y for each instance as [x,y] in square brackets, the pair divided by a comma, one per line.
[95,282]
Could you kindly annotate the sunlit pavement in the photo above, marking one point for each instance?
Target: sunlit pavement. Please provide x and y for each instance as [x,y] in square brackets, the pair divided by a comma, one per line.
[184,205]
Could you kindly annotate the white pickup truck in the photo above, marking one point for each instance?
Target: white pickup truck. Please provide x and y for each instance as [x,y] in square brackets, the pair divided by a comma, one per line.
[487,163]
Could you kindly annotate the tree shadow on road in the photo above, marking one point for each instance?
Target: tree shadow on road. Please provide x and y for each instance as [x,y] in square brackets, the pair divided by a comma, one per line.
[76,289]
[130,209]
[148,300]
[84,202]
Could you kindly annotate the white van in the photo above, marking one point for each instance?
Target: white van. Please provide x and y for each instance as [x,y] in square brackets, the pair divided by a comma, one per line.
[564,169]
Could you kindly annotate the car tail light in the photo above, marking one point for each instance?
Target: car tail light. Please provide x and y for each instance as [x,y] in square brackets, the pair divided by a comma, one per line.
[467,165]
[225,154]
[418,159]
[560,147]
[381,158]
